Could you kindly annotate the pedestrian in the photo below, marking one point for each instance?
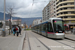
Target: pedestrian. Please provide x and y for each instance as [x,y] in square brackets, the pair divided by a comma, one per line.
[17,30]
[14,31]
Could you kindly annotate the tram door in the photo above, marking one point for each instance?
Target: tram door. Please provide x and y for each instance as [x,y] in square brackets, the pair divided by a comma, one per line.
[49,30]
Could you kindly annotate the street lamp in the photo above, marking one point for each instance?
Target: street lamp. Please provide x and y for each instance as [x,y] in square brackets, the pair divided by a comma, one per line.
[3,31]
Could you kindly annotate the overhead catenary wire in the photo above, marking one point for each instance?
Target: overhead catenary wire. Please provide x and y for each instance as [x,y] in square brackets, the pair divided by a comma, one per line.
[31,11]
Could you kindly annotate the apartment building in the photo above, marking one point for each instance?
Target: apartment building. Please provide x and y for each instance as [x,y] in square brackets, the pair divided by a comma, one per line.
[65,9]
[49,11]
[36,22]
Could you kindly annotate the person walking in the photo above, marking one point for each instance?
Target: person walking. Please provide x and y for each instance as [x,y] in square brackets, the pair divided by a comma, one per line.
[14,31]
[17,30]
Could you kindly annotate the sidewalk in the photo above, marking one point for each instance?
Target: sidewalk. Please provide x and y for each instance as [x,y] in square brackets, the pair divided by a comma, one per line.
[12,42]
[70,36]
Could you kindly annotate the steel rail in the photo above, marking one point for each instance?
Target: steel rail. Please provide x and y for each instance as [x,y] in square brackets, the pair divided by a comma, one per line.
[64,44]
[41,42]
[28,41]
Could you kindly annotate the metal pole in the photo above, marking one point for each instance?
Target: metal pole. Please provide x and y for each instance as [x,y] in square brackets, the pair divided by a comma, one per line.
[3,34]
[4,9]
[10,19]
[9,26]
[10,23]
[74,6]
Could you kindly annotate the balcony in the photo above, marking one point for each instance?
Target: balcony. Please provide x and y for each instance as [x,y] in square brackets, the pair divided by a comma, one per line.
[68,19]
[65,6]
[67,10]
[68,1]
[66,15]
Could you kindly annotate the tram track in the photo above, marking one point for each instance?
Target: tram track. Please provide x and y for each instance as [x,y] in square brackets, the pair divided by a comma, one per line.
[69,40]
[67,44]
[29,43]
[43,42]
[65,39]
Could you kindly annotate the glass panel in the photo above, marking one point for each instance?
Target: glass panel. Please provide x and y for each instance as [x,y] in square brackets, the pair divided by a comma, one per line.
[49,27]
[58,26]
[44,27]
[1,24]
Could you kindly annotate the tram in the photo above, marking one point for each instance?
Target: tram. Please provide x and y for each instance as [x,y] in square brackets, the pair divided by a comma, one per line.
[53,28]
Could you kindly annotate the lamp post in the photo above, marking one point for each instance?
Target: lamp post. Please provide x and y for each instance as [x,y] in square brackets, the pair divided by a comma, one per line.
[3,31]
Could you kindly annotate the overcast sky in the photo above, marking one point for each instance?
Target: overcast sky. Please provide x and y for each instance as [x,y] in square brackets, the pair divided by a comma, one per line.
[25,8]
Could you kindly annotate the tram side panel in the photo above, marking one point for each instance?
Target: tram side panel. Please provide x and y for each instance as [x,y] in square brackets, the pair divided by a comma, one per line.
[49,29]
[40,29]
[50,32]
[43,29]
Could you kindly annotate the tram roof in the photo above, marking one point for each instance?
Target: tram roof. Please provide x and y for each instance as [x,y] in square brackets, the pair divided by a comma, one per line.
[47,21]
[41,23]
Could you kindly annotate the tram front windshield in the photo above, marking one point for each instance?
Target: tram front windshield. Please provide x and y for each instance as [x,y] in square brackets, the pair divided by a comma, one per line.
[58,26]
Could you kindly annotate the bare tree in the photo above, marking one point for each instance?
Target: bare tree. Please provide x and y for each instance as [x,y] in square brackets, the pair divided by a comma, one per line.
[10,12]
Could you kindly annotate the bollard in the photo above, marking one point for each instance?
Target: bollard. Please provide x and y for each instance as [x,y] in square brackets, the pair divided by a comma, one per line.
[3,33]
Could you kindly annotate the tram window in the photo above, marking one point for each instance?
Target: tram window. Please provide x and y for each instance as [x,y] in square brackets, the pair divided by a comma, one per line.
[49,27]
[1,24]
[44,27]
[58,25]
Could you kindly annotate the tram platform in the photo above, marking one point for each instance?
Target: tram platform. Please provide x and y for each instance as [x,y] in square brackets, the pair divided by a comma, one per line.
[70,36]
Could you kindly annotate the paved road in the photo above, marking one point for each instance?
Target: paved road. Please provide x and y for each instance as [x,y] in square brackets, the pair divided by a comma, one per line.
[51,43]
[34,43]
[70,36]
[12,42]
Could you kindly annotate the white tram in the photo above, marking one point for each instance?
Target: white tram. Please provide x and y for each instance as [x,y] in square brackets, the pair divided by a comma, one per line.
[53,28]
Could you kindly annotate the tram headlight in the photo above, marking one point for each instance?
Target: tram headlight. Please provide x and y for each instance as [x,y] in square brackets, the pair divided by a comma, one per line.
[56,32]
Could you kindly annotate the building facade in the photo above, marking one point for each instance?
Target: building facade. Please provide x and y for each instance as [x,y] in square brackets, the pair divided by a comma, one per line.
[49,11]
[36,22]
[16,22]
[65,9]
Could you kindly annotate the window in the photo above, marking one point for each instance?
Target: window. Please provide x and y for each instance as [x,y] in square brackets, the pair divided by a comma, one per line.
[73,17]
[65,8]
[1,24]
[58,26]
[60,0]
[65,16]
[65,12]
[44,27]
[73,12]
[65,3]
[49,27]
